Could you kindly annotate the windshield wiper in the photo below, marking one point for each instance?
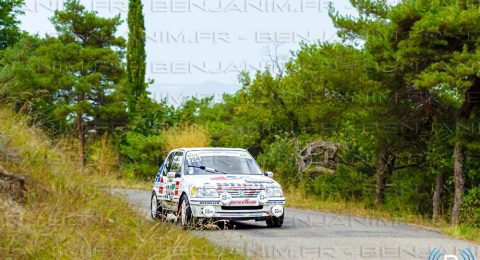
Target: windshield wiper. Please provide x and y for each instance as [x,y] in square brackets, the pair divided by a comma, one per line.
[207,169]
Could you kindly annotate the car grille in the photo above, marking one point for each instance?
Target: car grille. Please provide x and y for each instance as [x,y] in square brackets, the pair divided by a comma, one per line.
[244,193]
[242,207]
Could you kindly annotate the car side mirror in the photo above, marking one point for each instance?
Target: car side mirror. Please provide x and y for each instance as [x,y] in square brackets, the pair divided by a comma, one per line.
[268,174]
[172,175]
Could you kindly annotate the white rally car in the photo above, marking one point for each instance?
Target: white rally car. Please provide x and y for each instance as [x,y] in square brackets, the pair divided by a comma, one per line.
[216,183]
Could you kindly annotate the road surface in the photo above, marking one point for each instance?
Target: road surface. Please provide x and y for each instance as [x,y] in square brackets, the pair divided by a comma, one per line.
[318,235]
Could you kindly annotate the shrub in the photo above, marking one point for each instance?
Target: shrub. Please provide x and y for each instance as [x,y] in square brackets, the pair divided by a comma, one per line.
[471,207]
[281,158]
[142,155]
[345,183]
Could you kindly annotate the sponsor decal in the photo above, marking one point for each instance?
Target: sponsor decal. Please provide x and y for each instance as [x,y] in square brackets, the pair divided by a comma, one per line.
[209,211]
[160,189]
[275,202]
[248,214]
[193,158]
[176,186]
[231,185]
[253,214]
[243,202]
[209,202]
[225,178]
[258,181]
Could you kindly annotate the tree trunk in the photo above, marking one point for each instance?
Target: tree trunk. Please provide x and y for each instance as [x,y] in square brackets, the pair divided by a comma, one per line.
[472,99]
[437,196]
[459,182]
[385,167]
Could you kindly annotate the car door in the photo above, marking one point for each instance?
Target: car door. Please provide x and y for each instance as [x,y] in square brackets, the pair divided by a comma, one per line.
[163,180]
[158,184]
[177,167]
[171,184]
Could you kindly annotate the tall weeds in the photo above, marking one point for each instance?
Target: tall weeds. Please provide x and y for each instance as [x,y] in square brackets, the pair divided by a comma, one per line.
[185,136]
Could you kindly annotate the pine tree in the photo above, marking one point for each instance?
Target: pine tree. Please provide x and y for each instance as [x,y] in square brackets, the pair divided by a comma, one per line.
[9,31]
[91,71]
[136,54]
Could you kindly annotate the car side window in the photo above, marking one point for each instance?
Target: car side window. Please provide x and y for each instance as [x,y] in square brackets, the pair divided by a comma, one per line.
[160,171]
[168,164]
[177,162]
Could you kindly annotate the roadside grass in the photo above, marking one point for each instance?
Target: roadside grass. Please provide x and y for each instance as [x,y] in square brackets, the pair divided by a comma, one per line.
[297,199]
[185,136]
[67,215]
[128,183]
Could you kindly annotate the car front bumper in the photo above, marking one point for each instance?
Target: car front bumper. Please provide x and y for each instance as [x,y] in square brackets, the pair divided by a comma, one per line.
[221,211]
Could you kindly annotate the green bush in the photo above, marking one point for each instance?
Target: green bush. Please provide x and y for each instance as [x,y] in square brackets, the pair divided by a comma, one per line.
[281,159]
[142,155]
[345,184]
[408,191]
[471,207]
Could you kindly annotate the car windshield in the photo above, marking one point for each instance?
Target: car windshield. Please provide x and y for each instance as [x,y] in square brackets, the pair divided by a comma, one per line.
[220,162]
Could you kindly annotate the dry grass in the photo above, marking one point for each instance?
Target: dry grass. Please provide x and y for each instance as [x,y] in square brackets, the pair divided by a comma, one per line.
[104,159]
[185,136]
[67,216]
[297,199]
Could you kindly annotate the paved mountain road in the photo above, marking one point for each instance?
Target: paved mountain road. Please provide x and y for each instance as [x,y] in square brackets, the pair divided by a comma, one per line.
[318,235]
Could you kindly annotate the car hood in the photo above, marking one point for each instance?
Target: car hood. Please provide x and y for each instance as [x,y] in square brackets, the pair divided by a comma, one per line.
[231,180]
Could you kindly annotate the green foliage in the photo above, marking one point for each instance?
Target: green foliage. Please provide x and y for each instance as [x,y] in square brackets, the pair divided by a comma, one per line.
[9,30]
[345,184]
[136,54]
[142,154]
[140,145]
[410,191]
[74,81]
[281,158]
[76,24]
[471,207]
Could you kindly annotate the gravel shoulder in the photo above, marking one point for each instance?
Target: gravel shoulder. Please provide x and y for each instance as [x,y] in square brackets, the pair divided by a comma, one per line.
[318,235]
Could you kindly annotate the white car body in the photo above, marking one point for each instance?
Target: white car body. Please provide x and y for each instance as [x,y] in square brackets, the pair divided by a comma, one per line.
[217,195]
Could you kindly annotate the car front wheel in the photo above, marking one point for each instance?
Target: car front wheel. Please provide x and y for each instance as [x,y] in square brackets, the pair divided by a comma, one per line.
[185,212]
[275,222]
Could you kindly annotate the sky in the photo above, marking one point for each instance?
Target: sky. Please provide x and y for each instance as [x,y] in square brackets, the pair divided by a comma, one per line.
[198,47]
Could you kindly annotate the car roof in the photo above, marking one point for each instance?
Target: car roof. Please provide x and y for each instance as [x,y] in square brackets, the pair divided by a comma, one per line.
[209,149]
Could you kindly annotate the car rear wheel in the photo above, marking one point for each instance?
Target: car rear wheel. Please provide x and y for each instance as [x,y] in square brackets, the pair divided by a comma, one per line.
[275,222]
[156,210]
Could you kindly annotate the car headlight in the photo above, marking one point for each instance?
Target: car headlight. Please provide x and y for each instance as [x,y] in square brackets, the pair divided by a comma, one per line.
[273,192]
[205,193]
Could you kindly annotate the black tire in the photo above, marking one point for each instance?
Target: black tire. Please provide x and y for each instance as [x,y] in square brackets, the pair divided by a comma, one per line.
[223,224]
[275,222]
[156,210]
[185,220]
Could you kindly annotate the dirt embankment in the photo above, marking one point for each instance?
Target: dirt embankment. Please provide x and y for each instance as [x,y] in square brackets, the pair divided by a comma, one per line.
[13,192]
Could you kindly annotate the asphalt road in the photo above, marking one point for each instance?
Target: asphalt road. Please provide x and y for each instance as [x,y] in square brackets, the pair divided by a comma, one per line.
[318,235]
